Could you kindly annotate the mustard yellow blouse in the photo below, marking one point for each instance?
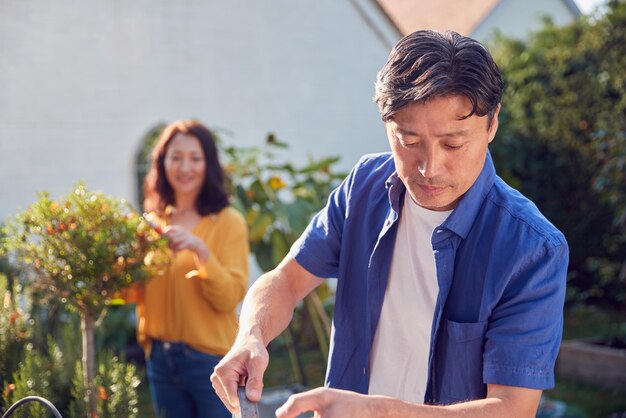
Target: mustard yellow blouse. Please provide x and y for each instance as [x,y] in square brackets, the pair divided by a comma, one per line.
[193,306]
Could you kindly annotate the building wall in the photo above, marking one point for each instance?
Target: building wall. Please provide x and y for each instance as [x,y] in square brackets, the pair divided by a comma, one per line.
[517,19]
[82,82]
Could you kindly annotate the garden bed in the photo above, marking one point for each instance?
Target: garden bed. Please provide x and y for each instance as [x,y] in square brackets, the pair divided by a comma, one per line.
[587,360]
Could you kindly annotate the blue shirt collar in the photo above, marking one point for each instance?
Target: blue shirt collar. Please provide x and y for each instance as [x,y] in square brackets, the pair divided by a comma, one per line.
[461,219]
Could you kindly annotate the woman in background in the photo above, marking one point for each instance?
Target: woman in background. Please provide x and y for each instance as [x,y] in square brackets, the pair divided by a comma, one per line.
[186,317]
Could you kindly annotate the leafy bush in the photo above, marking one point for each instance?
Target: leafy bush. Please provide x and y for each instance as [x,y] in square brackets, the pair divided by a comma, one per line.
[116,389]
[33,377]
[562,142]
[54,371]
[13,334]
[277,199]
[84,247]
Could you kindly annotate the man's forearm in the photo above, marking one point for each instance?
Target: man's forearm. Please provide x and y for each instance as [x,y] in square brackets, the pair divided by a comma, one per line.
[267,308]
[483,408]
[501,401]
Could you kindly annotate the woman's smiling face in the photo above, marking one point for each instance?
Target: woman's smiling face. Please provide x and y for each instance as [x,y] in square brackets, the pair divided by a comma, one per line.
[185,165]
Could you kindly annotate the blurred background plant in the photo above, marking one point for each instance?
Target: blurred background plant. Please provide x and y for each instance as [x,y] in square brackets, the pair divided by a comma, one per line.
[278,199]
[562,142]
[81,250]
[40,353]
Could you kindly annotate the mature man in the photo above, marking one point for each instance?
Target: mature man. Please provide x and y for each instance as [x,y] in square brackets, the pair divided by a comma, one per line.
[450,283]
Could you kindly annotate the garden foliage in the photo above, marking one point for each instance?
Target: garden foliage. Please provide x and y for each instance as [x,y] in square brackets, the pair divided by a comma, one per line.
[82,249]
[277,199]
[562,142]
[51,367]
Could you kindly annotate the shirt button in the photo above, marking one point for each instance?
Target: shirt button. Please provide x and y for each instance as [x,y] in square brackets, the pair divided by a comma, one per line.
[387,222]
[364,370]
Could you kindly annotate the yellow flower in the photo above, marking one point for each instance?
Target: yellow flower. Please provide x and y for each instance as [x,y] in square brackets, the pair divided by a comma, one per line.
[276,183]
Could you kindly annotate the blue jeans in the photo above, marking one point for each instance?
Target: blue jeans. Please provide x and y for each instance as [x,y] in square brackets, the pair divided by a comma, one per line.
[180,384]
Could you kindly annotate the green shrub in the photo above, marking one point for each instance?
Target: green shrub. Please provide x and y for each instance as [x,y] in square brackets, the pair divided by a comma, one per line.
[78,402]
[32,378]
[117,384]
[51,367]
[277,199]
[562,142]
[14,333]
[116,389]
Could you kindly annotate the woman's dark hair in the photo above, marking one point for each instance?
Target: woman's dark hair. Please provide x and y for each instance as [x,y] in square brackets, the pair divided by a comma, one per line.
[428,64]
[158,191]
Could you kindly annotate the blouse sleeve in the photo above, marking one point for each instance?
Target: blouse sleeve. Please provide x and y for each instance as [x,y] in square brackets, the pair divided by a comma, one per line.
[224,277]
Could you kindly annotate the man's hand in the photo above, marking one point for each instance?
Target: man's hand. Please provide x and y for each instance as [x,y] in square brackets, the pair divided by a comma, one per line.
[330,403]
[245,362]
[265,313]
[501,401]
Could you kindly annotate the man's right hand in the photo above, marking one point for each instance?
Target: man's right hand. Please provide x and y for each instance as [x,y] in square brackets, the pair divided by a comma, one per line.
[245,363]
[265,313]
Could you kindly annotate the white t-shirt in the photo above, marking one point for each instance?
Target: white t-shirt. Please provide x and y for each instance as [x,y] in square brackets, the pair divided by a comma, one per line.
[399,357]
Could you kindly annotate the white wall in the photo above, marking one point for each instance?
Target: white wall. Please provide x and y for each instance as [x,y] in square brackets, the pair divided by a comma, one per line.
[515,18]
[82,82]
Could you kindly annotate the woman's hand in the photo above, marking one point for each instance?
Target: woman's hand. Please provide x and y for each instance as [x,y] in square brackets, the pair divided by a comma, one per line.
[181,239]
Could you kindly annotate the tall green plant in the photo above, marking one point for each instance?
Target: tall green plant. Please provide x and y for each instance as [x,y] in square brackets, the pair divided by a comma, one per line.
[278,200]
[117,388]
[84,248]
[14,334]
[33,377]
[78,406]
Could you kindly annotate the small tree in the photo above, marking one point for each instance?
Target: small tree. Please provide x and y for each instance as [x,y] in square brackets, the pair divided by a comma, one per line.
[85,248]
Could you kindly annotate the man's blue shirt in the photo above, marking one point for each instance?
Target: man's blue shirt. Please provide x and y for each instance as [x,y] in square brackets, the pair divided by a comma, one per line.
[501,269]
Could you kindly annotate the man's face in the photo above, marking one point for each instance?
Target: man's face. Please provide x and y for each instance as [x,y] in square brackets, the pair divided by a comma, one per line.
[437,155]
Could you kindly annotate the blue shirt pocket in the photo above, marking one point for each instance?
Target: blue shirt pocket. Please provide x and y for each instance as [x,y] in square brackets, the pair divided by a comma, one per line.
[459,361]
